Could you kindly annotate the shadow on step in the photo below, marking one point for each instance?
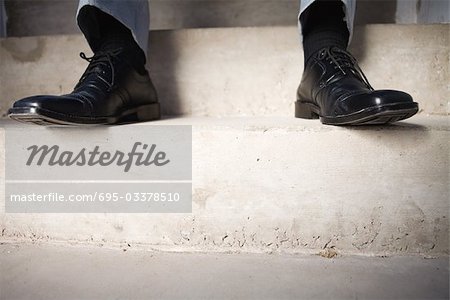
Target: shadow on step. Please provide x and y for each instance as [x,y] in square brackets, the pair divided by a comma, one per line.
[403,126]
[166,54]
[399,137]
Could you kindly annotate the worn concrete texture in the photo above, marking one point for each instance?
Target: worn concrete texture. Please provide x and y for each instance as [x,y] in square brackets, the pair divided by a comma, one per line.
[53,272]
[237,71]
[286,185]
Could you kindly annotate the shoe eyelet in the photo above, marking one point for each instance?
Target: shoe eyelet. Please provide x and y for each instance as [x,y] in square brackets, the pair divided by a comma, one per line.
[322,54]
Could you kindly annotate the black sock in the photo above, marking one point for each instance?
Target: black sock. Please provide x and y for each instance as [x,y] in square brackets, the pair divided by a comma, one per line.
[323,26]
[104,32]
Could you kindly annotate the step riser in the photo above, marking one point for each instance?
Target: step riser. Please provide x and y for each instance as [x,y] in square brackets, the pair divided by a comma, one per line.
[259,188]
[30,18]
[237,71]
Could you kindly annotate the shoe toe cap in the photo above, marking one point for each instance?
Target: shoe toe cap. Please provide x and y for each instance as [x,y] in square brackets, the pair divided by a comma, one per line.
[390,96]
[34,101]
[59,104]
[378,98]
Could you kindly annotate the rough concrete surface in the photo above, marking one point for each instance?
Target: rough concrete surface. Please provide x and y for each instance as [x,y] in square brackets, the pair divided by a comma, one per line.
[52,272]
[237,71]
[286,185]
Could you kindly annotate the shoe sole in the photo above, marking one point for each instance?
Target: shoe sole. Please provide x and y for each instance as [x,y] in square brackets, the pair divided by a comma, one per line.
[376,115]
[45,117]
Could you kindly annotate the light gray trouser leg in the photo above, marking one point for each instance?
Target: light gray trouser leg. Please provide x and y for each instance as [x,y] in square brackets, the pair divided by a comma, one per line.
[350,9]
[134,14]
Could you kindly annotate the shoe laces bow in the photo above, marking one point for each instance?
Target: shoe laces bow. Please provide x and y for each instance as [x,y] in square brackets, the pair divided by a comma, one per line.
[100,58]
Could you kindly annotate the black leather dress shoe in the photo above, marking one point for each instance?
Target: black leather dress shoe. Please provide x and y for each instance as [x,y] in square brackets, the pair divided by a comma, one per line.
[109,92]
[334,89]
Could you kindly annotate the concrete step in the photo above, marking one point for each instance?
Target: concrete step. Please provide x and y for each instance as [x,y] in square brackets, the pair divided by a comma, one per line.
[265,184]
[237,71]
[54,272]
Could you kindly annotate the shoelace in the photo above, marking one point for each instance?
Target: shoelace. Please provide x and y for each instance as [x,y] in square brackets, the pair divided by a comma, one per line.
[343,60]
[98,59]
